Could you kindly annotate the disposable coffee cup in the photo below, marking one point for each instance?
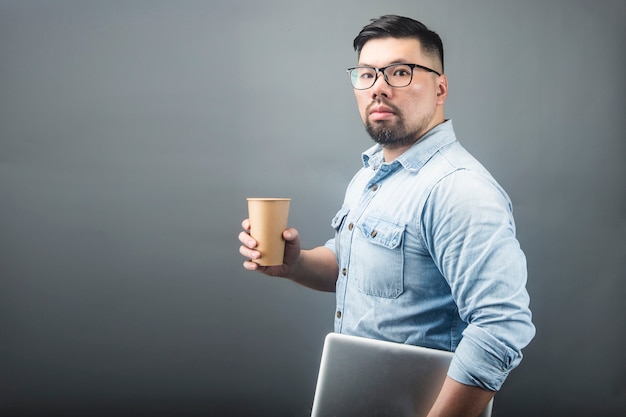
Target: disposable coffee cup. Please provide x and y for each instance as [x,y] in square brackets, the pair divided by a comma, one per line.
[268,220]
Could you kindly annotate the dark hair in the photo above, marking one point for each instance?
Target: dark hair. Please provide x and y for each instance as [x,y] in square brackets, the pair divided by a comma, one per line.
[392,26]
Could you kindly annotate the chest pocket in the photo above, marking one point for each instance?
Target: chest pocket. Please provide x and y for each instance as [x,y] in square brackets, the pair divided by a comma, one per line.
[378,257]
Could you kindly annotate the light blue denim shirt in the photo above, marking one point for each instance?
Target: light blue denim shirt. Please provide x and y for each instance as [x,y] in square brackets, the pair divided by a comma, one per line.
[428,256]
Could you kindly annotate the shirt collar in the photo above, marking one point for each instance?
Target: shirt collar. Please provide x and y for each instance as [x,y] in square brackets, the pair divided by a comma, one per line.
[417,155]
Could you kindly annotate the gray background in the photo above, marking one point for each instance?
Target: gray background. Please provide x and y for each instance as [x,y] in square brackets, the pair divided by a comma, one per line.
[132,131]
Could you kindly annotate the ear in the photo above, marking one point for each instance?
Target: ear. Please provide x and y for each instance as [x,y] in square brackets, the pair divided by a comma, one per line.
[442,89]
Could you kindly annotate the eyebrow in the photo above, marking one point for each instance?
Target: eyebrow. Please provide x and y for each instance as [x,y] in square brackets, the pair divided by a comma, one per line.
[395,61]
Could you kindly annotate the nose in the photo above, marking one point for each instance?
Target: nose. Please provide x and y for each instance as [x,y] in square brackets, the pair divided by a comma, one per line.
[380,87]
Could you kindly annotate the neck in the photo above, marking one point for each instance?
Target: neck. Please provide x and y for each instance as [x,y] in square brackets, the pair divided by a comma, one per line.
[391,152]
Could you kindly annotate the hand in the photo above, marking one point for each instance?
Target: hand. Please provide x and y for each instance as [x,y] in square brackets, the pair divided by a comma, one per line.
[292,252]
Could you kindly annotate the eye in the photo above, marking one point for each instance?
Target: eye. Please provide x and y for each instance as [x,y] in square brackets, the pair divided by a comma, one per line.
[365,73]
[401,72]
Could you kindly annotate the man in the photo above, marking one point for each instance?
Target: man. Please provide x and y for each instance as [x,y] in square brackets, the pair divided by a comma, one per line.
[425,250]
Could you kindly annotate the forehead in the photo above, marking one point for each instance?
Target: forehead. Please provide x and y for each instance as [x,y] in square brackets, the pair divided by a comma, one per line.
[381,52]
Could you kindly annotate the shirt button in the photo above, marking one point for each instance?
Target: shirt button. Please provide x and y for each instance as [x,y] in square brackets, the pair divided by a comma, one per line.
[339,314]
[350,226]
[374,233]
[344,271]
[374,187]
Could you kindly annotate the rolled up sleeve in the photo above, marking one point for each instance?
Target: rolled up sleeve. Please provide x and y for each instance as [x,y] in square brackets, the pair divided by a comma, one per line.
[482,360]
[476,249]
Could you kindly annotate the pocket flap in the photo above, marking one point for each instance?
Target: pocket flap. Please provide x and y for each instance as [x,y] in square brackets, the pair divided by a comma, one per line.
[339,218]
[382,232]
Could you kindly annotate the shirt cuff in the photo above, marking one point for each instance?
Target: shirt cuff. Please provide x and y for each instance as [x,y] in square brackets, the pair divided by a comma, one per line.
[482,360]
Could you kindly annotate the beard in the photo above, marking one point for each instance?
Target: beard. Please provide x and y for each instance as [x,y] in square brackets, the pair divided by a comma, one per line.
[390,136]
[395,135]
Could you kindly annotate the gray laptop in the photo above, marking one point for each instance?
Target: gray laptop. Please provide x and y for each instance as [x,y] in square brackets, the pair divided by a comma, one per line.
[372,378]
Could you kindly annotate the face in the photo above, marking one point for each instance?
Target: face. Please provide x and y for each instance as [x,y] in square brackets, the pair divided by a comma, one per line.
[397,117]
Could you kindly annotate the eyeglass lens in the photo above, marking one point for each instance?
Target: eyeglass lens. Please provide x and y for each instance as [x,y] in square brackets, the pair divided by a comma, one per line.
[396,75]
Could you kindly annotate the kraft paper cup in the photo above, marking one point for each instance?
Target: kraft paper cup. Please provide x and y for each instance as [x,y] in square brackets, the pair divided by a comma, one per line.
[268,219]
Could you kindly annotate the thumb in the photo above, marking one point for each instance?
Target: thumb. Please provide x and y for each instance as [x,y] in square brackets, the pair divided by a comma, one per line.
[290,234]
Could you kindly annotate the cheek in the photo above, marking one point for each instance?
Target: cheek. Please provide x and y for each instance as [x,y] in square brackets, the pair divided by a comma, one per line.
[421,99]
[423,93]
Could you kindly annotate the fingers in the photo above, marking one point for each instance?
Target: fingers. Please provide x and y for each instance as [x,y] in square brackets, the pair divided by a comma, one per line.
[247,240]
[247,247]
[250,266]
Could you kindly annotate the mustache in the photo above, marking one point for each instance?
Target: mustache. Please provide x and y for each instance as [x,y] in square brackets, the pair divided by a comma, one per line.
[383,102]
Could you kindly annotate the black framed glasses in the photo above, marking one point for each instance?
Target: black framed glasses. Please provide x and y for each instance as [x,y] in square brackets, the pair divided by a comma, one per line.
[396,75]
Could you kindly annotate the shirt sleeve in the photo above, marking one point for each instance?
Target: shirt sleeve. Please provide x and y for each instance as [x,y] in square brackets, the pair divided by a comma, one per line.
[330,244]
[469,229]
